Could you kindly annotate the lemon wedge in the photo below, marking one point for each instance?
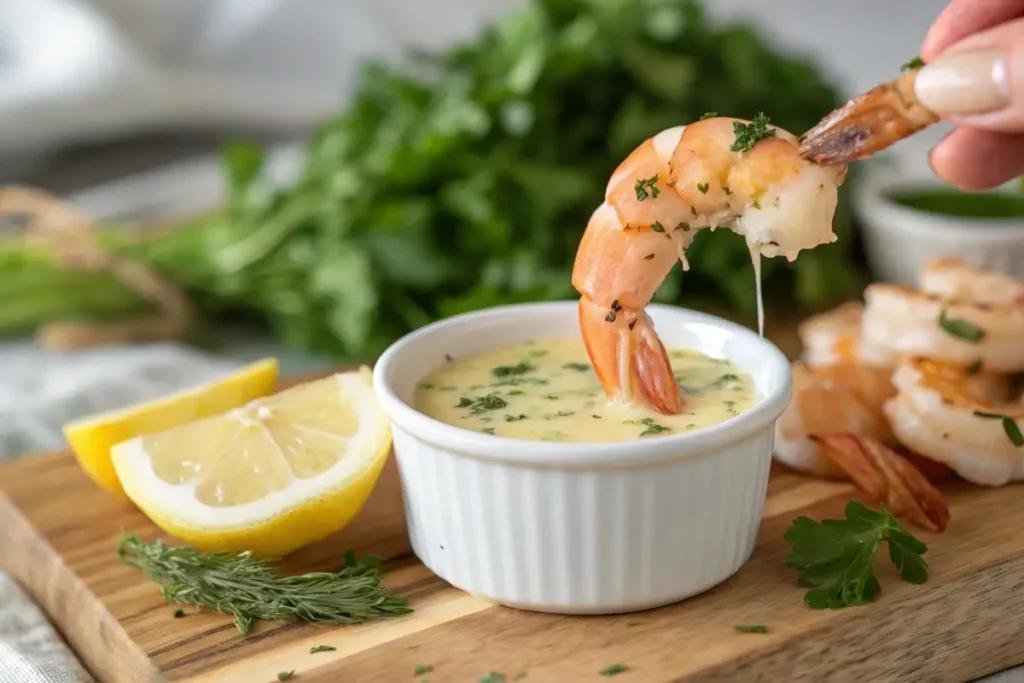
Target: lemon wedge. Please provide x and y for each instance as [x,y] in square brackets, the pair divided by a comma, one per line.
[272,476]
[92,438]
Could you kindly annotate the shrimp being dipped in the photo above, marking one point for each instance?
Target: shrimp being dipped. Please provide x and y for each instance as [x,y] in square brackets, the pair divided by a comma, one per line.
[972,422]
[717,172]
[868,123]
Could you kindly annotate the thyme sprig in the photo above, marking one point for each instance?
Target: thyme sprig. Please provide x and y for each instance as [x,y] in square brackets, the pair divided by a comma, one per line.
[249,589]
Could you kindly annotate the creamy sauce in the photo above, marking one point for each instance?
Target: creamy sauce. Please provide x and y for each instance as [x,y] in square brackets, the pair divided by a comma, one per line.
[547,390]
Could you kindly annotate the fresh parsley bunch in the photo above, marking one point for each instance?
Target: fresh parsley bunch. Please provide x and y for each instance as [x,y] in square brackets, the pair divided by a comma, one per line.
[465,179]
[835,556]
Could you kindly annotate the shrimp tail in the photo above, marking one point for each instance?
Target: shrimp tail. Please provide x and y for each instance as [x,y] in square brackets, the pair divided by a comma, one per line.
[868,123]
[887,476]
[628,357]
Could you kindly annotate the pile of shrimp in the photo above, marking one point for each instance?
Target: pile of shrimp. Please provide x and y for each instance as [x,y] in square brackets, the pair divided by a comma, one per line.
[911,386]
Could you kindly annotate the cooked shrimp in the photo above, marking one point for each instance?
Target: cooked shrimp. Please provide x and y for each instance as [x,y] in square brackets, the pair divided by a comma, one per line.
[952,278]
[829,400]
[906,322]
[868,123]
[834,337]
[718,172]
[970,422]
[888,477]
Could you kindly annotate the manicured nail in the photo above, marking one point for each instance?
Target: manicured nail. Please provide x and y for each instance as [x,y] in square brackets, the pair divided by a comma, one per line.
[969,83]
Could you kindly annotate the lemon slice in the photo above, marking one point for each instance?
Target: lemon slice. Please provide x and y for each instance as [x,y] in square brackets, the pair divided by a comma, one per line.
[271,476]
[92,438]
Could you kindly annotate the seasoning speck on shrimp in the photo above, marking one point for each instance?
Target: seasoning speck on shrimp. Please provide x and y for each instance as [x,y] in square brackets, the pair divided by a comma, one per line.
[747,176]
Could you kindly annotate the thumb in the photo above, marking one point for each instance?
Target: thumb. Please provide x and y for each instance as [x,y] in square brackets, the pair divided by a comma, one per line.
[978,81]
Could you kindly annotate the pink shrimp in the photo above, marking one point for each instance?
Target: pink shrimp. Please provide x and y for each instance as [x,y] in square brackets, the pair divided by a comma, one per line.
[719,172]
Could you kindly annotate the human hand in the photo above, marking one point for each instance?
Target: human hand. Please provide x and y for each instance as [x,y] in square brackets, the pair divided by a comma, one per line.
[975,78]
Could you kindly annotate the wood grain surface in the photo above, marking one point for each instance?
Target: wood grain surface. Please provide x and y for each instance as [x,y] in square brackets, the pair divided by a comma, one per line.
[59,532]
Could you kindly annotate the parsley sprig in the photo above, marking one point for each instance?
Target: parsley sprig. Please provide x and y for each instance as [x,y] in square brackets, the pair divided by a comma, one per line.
[747,134]
[835,556]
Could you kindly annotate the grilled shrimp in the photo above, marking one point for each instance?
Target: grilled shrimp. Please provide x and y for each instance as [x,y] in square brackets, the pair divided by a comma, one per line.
[717,172]
[953,278]
[868,123]
[834,337]
[963,332]
[844,398]
[972,422]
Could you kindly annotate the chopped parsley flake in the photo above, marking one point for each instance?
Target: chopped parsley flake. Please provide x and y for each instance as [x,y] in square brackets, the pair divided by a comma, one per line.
[614,669]
[285,675]
[508,370]
[657,227]
[915,63]
[479,404]
[652,427]
[582,367]
[702,188]
[322,648]
[960,328]
[422,669]
[179,613]
[748,134]
[1009,426]
[646,187]
[751,628]
[514,418]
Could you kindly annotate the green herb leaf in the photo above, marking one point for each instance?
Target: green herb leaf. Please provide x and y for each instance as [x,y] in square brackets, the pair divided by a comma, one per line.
[702,188]
[422,669]
[509,370]
[751,628]
[960,328]
[482,404]
[492,677]
[834,557]
[519,676]
[657,227]
[242,161]
[285,675]
[915,63]
[614,669]
[580,367]
[646,187]
[250,589]
[748,134]
[322,648]
[1009,426]
[708,115]
[179,613]
[652,427]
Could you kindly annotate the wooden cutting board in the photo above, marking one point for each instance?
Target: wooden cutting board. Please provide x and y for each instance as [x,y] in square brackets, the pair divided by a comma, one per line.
[58,534]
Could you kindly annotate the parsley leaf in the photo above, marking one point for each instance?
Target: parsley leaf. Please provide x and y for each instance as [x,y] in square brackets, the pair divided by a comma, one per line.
[508,370]
[285,675]
[751,628]
[960,328]
[747,134]
[646,187]
[614,669]
[834,557]
[1009,426]
[915,63]
[322,648]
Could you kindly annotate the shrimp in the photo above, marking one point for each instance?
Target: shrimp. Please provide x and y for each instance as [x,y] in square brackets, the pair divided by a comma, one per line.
[952,278]
[907,322]
[972,422]
[828,400]
[868,123]
[717,172]
[834,337]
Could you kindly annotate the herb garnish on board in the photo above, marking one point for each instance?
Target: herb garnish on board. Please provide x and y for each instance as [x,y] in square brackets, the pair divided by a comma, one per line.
[835,556]
[249,589]
[963,329]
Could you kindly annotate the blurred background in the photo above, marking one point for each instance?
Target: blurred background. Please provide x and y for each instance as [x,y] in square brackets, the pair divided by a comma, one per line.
[313,178]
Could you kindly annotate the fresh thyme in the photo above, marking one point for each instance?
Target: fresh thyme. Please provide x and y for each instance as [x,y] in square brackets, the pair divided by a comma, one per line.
[747,134]
[249,589]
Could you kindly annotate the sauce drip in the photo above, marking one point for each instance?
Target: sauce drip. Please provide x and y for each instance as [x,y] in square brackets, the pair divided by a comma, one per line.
[755,258]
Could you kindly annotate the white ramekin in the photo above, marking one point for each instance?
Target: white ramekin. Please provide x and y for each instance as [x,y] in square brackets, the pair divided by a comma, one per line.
[899,239]
[581,528]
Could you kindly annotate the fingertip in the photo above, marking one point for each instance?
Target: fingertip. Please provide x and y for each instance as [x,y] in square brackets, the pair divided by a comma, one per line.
[976,160]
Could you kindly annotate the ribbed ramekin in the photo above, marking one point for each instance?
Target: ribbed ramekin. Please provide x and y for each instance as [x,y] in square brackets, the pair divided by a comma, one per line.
[580,528]
[899,239]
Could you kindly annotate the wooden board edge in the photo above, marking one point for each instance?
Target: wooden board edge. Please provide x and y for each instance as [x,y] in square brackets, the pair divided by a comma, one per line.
[985,618]
[41,571]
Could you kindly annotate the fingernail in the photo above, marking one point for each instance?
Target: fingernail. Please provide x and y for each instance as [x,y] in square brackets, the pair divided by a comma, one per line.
[969,83]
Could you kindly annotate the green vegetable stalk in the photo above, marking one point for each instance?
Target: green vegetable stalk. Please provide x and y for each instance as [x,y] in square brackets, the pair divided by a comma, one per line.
[465,180]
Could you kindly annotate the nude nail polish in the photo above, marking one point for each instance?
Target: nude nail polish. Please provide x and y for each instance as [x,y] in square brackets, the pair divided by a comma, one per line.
[969,83]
